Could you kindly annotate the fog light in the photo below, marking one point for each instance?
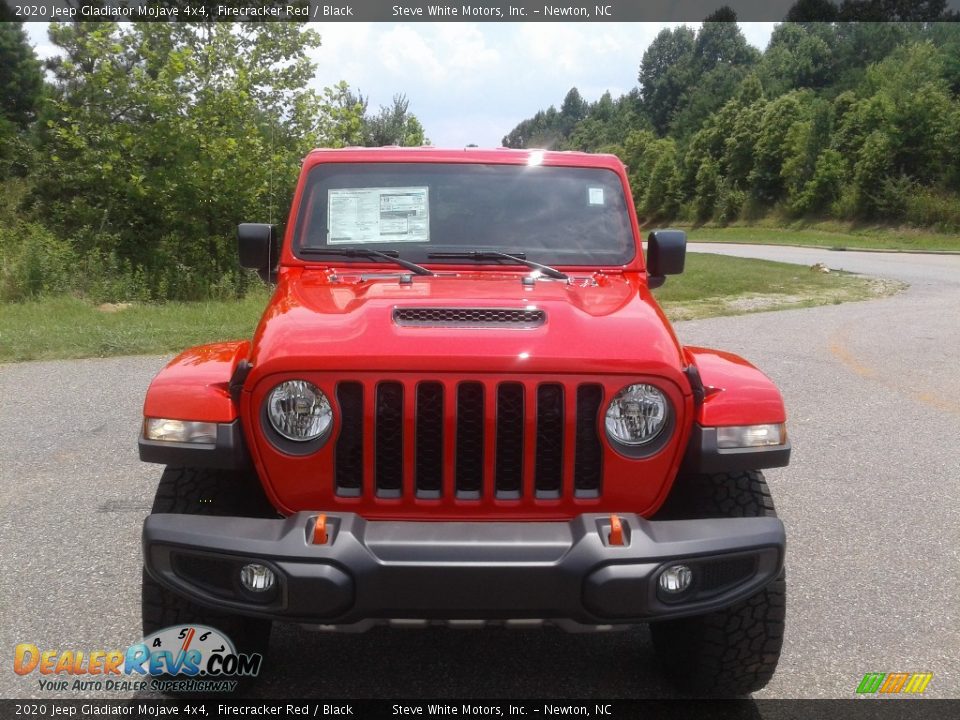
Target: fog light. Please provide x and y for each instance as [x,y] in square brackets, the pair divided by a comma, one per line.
[676,579]
[257,578]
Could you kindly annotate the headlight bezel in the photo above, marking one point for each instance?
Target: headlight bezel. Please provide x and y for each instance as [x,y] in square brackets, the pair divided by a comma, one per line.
[657,442]
[285,443]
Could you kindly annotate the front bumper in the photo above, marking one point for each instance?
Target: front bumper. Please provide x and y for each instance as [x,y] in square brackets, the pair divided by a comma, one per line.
[462,570]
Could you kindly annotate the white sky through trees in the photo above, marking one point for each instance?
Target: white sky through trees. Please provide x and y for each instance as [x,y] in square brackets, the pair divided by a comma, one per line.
[473,82]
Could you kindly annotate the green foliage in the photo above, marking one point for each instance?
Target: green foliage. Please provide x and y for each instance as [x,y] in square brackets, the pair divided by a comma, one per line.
[821,190]
[161,128]
[666,73]
[21,81]
[33,262]
[686,76]
[852,120]
[394,125]
[662,196]
[21,86]
[796,58]
[707,189]
[740,140]
[772,146]
[730,204]
[872,167]
[157,139]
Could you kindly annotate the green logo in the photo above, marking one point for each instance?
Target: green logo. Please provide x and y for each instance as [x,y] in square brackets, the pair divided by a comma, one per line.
[890,683]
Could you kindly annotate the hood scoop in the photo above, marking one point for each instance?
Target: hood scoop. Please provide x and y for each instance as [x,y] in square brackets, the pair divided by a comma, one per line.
[454,317]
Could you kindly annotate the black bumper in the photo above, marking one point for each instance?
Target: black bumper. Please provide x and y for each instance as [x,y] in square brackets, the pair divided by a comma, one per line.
[462,570]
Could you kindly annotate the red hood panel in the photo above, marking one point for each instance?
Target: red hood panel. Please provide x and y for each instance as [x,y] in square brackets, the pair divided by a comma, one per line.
[598,324]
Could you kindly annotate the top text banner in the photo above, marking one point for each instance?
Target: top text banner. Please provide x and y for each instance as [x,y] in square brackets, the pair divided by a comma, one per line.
[394,11]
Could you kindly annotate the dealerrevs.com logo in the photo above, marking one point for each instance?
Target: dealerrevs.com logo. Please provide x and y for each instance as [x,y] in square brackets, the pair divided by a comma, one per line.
[181,658]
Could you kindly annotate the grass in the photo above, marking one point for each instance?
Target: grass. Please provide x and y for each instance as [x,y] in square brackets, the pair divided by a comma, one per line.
[828,234]
[66,327]
[713,285]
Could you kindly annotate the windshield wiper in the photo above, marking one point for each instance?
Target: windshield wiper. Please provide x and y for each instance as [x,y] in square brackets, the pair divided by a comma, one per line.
[351,252]
[519,258]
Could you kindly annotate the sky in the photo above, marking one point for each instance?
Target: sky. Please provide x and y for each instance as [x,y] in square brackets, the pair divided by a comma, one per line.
[473,82]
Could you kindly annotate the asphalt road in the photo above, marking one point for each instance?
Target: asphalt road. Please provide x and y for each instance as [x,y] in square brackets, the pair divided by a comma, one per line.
[870,502]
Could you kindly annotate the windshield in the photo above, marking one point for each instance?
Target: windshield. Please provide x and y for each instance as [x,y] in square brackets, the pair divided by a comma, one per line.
[553,215]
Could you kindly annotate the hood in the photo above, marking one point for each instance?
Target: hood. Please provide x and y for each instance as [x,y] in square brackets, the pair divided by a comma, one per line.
[346,320]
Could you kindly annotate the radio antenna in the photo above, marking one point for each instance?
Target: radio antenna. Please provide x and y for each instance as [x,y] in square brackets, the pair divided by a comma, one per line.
[273,127]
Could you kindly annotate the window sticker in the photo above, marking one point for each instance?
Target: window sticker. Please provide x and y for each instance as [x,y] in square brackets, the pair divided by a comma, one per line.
[595,195]
[378,215]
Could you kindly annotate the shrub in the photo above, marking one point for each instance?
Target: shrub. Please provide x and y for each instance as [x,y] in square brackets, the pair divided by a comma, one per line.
[928,207]
[33,262]
[730,204]
[823,188]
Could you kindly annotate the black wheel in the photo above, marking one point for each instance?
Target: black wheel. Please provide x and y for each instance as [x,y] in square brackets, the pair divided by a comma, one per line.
[202,491]
[732,651]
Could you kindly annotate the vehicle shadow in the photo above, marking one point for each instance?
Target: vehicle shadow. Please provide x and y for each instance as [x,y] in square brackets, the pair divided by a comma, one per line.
[454,663]
[493,663]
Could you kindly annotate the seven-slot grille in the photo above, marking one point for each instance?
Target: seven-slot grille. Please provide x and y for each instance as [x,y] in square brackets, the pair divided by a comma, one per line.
[533,435]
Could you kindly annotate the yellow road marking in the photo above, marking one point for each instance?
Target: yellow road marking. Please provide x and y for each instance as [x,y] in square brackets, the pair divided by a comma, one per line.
[840,350]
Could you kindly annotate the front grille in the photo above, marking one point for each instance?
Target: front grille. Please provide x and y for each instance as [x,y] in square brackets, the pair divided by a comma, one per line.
[389,439]
[429,448]
[470,430]
[348,474]
[509,468]
[549,466]
[540,441]
[469,317]
[588,467]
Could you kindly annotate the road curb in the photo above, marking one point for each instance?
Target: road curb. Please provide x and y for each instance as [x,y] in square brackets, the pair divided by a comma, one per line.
[831,248]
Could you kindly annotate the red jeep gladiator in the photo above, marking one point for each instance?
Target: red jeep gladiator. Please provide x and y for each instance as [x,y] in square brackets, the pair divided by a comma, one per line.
[463,405]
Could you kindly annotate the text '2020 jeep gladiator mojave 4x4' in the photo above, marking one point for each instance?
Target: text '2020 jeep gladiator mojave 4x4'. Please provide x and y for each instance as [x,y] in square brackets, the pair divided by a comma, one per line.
[463,405]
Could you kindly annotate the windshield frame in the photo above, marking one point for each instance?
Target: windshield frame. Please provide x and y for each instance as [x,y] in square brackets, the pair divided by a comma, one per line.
[629,257]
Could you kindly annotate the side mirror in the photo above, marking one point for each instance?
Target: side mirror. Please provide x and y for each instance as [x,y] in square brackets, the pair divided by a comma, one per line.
[258,248]
[666,252]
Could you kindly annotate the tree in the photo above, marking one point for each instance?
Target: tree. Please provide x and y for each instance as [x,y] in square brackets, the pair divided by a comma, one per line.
[666,72]
[846,118]
[812,11]
[805,142]
[572,110]
[823,188]
[892,10]
[541,131]
[394,125]
[770,150]
[796,58]
[21,86]
[21,81]
[161,136]
[607,124]
[707,189]
[685,76]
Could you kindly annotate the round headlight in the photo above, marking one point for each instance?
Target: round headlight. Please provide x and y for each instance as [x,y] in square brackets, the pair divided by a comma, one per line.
[299,410]
[637,414]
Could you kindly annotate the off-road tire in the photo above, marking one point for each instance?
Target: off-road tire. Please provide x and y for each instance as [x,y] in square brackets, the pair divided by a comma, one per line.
[734,651]
[203,491]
